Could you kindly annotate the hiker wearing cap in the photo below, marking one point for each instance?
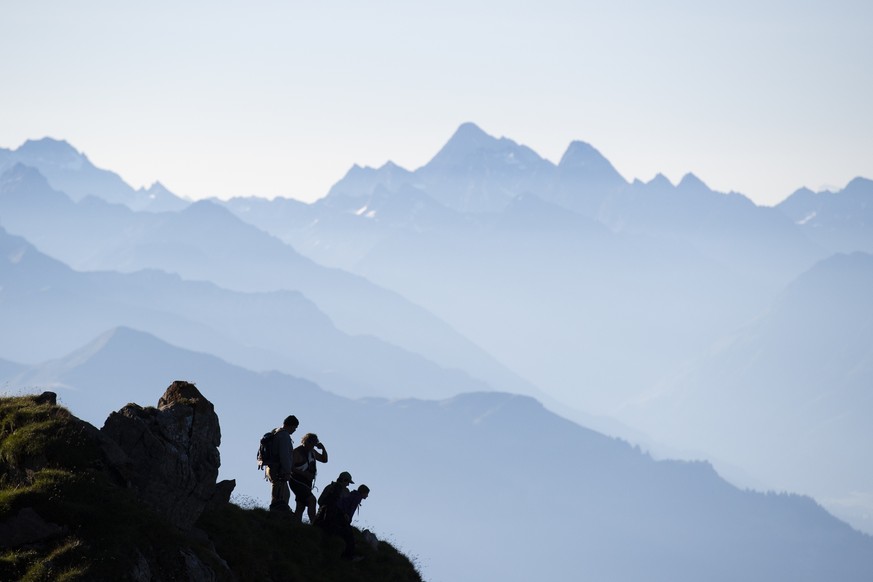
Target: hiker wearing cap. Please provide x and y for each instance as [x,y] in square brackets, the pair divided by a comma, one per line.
[331,515]
[279,473]
[303,471]
[329,512]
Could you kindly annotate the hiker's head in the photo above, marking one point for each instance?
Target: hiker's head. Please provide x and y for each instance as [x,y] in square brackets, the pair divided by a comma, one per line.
[309,440]
[345,478]
[365,491]
[291,423]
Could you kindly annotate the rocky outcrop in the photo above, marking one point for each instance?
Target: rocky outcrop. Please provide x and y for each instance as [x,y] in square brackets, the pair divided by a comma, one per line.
[27,527]
[137,500]
[170,453]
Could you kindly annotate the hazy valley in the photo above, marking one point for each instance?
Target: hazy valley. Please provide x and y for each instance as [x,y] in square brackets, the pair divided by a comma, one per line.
[498,345]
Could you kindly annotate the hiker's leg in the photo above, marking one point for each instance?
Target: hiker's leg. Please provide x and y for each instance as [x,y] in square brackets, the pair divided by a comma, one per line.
[301,495]
[311,508]
[349,538]
[280,494]
[298,511]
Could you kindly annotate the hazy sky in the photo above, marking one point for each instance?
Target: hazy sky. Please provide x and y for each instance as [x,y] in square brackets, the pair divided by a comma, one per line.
[228,98]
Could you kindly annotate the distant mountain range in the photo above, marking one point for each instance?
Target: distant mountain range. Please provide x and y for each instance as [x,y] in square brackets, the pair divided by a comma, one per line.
[506,465]
[687,319]
[206,242]
[838,221]
[788,396]
[73,173]
[52,309]
[602,291]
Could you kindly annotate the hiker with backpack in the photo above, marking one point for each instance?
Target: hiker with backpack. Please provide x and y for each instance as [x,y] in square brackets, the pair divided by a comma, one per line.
[276,454]
[332,505]
[328,501]
[303,471]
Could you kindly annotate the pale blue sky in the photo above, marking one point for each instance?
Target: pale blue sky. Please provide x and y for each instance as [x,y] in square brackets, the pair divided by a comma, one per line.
[269,98]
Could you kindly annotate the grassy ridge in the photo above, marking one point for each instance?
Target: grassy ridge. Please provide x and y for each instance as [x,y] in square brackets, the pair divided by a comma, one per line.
[52,463]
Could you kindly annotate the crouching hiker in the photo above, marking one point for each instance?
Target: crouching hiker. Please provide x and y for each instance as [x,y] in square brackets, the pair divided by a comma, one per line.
[278,470]
[348,505]
[328,501]
[331,513]
[352,502]
[303,471]
[337,506]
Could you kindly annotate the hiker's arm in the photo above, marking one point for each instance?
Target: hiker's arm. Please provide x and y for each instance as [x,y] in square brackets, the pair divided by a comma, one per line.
[322,456]
[285,454]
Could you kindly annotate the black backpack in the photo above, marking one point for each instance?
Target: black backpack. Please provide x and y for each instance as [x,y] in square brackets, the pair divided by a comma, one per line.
[266,454]
[330,495]
[328,508]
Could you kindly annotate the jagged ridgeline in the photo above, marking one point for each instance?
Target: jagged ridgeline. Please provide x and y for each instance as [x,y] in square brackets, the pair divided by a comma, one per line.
[138,500]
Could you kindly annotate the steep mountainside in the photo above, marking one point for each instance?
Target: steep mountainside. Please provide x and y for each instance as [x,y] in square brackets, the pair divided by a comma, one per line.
[788,397]
[137,500]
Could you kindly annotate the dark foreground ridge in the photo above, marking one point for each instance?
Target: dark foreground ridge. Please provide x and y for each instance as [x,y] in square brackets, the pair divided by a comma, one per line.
[138,500]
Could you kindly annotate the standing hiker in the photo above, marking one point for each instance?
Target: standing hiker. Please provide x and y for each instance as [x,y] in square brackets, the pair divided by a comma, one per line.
[303,471]
[278,472]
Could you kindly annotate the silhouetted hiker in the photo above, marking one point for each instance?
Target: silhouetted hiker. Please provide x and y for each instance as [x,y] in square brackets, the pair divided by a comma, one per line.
[328,501]
[279,471]
[334,504]
[303,470]
[350,503]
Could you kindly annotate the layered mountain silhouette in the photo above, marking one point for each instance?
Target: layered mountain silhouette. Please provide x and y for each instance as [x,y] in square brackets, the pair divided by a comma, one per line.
[48,309]
[599,290]
[475,172]
[788,396]
[693,320]
[206,242]
[623,515]
[72,172]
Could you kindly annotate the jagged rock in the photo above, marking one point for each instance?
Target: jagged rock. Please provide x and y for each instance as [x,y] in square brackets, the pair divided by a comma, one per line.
[223,490]
[195,569]
[46,398]
[172,452]
[27,527]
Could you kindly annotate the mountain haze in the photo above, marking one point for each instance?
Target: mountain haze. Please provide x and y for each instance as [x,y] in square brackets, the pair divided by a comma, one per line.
[788,404]
[603,292]
[277,330]
[616,502]
[410,318]
[206,242]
